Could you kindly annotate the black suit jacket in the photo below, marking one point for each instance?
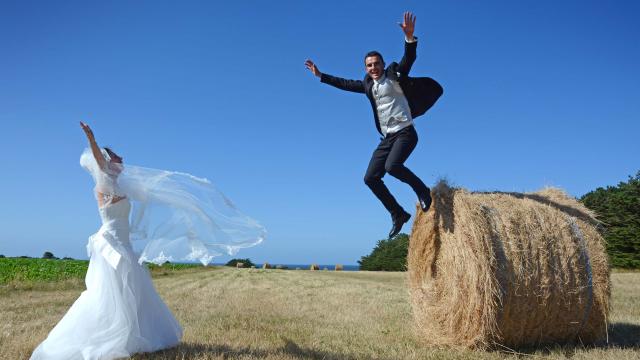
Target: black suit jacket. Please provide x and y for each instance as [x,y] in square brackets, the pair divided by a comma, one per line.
[421,93]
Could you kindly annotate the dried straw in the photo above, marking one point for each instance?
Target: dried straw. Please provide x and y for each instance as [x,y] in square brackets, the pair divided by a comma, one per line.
[507,270]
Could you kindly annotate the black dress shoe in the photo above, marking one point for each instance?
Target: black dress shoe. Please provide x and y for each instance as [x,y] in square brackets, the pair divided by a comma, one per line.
[425,201]
[398,221]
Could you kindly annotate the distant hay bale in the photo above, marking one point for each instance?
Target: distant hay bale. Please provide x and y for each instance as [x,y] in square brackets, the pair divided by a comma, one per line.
[338,267]
[239,264]
[507,269]
[266,266]
[314,267]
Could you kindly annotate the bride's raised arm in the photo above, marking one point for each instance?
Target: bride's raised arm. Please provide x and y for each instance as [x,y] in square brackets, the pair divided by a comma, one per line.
[95,149]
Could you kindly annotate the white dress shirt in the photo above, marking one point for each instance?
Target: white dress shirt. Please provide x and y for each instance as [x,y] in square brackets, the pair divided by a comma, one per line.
[392,106]
[393,109]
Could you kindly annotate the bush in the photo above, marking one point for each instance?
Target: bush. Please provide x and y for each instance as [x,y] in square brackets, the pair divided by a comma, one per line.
[245,262]
[48,255]
[388,255]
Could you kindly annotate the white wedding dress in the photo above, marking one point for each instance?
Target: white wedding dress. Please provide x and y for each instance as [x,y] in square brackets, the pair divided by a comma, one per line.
[120,313]
[175,217]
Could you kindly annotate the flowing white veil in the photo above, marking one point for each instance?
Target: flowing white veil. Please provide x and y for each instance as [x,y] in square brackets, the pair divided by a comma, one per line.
[176,216]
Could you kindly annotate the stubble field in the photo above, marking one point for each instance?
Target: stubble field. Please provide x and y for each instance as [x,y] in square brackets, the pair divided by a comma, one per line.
[283,314]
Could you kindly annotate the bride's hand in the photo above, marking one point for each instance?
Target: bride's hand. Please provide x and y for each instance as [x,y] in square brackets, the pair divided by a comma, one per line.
[97,154]
[87,130]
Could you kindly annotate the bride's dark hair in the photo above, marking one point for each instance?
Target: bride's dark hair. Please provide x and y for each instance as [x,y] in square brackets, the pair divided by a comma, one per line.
[110,151]
[112,154]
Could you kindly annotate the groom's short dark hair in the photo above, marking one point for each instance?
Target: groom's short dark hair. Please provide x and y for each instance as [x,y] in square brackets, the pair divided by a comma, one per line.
[374,53]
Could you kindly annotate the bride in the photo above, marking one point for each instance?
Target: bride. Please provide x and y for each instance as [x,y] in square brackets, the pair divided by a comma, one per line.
[120,313]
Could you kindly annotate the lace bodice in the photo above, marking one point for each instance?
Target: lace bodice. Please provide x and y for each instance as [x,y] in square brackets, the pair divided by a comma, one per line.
[107,182]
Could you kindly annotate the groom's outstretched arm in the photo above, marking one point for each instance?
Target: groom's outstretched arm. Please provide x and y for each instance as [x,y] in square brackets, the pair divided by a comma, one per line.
[408,26]
[340,83]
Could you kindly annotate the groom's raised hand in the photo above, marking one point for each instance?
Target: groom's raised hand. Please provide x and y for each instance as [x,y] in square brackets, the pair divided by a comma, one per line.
[408,25]
[312,67]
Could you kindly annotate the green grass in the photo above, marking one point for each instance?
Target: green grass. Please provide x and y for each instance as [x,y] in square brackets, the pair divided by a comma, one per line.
[31,270]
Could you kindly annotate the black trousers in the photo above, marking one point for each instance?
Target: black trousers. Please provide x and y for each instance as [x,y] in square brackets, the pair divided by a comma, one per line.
[389,157]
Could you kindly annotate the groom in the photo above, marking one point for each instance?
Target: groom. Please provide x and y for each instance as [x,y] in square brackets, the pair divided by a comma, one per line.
[396,99]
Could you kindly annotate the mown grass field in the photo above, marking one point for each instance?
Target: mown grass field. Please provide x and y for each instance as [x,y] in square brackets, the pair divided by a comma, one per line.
[277,314]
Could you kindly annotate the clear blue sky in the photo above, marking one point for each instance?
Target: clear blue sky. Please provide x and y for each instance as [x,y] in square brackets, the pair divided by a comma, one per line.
[537,93]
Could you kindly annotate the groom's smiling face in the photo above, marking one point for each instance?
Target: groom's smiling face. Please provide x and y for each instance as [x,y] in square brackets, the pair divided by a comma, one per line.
[374,67]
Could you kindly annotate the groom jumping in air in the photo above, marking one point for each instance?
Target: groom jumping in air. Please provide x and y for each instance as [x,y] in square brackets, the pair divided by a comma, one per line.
[396,99]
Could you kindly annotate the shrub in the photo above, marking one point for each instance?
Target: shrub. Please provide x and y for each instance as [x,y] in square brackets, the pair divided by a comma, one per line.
[388,255]
[245,263]
[48,255]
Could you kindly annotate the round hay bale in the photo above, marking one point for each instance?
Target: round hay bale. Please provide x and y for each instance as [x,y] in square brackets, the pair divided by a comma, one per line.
[338,267]
[507,269]
[314,267]
[266,266]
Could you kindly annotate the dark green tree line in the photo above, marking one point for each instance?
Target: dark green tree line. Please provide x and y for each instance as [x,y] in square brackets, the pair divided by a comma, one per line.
[618,207]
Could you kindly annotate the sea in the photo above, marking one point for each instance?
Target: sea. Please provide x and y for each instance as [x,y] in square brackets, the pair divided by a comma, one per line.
[322,267]
[307,266]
